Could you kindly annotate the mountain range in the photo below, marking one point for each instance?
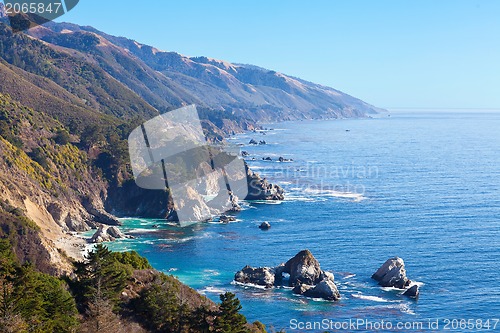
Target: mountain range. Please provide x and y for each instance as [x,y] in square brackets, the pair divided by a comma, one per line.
[70,96]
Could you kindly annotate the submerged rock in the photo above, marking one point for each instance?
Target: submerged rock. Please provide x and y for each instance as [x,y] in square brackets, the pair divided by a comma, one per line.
[227,219]
[265,226]
[392,274]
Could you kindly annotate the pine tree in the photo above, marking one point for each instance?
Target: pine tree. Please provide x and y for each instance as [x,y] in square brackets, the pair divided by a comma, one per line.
[202,319]
[228,319]
[100,273]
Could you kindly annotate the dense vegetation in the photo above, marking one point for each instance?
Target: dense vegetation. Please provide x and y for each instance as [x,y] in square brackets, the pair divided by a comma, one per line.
[108,292]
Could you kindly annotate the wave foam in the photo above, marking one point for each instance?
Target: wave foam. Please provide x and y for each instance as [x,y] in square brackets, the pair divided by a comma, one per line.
[211,290]
[337,194]
[248,285]
[370,298]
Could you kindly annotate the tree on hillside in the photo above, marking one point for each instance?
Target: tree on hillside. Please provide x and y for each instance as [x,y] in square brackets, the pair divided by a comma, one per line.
[10,319]
[100,275]
[228,319]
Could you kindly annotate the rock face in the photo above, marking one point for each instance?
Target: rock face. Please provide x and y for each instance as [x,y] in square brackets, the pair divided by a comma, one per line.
[392,274]
[107,234]
[303,269]
[262,276]
[265,226]
[227,219]
[413,291]
[306,277]
[261,189]
[115,232]
[326,289]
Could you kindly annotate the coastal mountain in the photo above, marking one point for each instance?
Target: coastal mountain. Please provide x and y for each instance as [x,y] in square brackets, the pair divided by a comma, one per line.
[71,95]
[69,98]
[121,75]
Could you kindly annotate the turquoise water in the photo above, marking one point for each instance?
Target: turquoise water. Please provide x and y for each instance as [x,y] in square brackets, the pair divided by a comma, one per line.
[422,186]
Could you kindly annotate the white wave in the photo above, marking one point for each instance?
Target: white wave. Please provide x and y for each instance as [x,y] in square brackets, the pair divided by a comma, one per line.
[211,272]
[296,189]
[256,167]
[419,284]
[248,285]
[211,290]
[319,299]
[348,276]
[370,298]
[140,230]
[404,308]
[300,198]
[267,202]
[337,194]
[391,289]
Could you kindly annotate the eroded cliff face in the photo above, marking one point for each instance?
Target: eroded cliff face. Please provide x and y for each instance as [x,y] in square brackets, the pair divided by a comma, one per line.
[49,181]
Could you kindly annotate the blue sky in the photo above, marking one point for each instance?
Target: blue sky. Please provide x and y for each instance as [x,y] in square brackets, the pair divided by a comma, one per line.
[427,53]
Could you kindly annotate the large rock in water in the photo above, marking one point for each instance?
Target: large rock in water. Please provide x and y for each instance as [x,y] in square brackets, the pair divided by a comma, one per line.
[263,276]
[261,189]
[306,277]
[326,289]
[101,235]
[303,269]
[107,234]
[265,226]
[392,274]
[413,291]
[115,232]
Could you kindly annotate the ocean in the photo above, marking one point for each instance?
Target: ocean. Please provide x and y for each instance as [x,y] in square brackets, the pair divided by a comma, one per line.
[424,186]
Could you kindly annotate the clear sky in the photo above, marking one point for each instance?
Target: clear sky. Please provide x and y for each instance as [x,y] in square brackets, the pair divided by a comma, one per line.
[421,53]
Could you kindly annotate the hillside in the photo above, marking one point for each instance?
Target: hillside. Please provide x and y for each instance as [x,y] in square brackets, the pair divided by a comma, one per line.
[71,95]
[170,79]
[69,98]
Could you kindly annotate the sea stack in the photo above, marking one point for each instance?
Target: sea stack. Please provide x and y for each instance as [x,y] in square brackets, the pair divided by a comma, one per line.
[392,274]
[306,277]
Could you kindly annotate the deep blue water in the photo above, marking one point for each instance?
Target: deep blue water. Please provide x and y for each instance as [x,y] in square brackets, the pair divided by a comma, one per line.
[422,186]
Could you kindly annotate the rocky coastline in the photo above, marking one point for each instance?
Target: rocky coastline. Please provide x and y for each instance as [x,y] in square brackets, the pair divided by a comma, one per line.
[303,273]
